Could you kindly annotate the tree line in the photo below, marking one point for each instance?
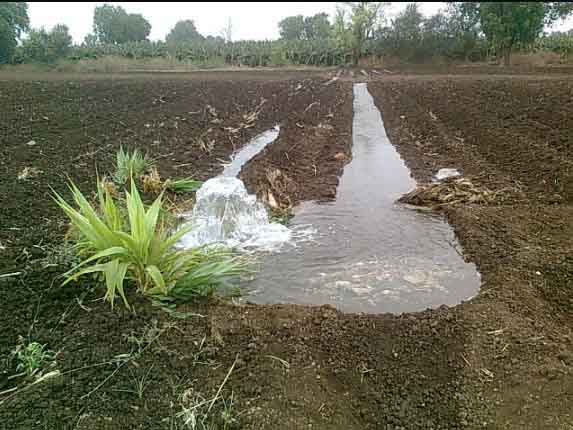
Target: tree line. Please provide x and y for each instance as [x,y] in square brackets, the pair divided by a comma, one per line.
[470,31]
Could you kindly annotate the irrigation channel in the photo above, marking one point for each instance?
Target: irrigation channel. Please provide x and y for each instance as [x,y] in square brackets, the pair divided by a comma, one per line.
[367,254]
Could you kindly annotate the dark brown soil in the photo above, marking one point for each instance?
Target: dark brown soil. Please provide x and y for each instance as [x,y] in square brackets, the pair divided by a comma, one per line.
[502,360]
[310,151]
[504,134]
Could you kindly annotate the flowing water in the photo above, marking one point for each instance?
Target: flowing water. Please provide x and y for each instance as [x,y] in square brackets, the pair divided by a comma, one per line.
[369,253]
[225,214]
[249,151]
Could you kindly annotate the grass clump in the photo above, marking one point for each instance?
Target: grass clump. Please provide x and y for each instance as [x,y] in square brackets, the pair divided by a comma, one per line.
[130,165]
[134,165]
[31,356]
[180,186]
[281,216]
[135,245]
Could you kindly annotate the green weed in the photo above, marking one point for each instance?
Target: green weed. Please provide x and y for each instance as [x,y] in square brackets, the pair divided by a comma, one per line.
[186,185]
[31,356]
[140,249]
[130,165]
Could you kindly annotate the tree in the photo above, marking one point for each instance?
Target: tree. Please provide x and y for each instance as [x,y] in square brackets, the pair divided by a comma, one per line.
[46,47]
[227,31]
[317,27]
[292,28]
[13,22]
[358,26]
[507,24]
[408,28]
[60,40]
[464,25]
[137,28]
[90,41]
[112,24]
[340,30]
[184,31]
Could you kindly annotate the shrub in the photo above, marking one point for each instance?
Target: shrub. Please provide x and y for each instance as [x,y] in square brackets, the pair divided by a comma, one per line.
[31,356]
[138,247]
[130,165]
[186,185]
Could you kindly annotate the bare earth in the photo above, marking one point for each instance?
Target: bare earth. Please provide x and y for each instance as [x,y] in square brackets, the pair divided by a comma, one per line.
[504,360]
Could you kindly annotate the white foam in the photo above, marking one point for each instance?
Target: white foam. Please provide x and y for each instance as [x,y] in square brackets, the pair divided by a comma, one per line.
[225,214]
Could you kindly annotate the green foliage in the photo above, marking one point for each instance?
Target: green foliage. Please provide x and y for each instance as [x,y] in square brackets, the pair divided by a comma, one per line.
[90,41]
[353,29]
[413,38]
[406,34]
[317,27]
[13,22]
[298,27]
[46,47]
[505,24]
[140,249]
[31,356]
[341,31]
[130,165]
[559,42]
[185,185]
[464,31]
[292,28]
[217,52]
[557,10]
[184,31]
[113,25]
[508,24]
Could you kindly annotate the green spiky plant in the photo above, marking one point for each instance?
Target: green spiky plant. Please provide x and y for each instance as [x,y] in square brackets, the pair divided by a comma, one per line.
[130,165]
[185,185]
[138,247]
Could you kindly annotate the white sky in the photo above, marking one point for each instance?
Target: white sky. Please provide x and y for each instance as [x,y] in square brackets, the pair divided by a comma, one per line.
[250,20]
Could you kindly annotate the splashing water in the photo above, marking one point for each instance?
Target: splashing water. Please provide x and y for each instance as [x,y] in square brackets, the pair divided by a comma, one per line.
[225,214]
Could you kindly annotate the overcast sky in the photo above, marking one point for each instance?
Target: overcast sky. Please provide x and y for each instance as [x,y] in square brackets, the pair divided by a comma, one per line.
[250,20]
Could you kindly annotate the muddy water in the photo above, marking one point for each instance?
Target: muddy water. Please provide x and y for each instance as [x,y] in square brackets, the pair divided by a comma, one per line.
[369,254]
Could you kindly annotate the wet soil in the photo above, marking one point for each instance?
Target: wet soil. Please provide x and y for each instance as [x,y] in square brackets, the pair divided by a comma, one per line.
[503,360]
[513,136]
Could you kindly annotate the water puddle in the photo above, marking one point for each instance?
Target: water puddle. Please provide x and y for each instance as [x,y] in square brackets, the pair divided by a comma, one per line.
[369,253]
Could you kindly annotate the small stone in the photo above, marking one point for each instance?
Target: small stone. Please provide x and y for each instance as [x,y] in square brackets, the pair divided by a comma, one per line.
[446,173]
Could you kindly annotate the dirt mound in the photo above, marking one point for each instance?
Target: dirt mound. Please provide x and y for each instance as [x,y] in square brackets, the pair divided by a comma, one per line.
[453,191]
